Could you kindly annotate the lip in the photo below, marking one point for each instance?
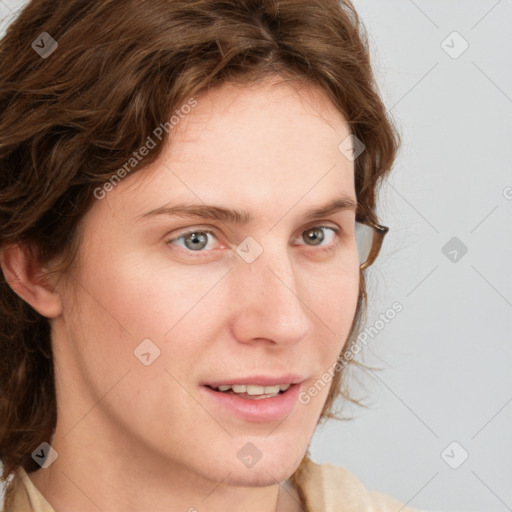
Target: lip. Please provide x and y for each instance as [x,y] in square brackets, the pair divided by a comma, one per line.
[258,380]
[256,411]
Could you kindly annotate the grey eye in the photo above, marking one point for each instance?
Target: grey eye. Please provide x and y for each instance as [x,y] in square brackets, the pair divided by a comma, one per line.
[194,240]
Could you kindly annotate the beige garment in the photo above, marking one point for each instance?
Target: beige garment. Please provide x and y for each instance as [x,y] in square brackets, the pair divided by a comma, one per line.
[322,488]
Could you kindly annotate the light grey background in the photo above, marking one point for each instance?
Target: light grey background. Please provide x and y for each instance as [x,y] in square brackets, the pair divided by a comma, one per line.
[447,354]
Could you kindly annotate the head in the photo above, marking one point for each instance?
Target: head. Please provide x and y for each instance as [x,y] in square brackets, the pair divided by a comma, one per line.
[241,105]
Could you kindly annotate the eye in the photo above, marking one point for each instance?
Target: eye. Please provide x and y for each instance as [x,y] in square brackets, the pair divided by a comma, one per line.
[196,240]
[316,235]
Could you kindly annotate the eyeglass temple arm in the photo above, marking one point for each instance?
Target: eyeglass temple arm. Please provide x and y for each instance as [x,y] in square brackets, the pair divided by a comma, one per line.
[379,232]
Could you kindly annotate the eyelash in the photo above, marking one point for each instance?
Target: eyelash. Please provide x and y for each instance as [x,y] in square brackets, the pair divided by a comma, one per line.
[330,247]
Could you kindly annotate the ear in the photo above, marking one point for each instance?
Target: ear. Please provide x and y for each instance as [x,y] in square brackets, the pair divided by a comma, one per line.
[25,276]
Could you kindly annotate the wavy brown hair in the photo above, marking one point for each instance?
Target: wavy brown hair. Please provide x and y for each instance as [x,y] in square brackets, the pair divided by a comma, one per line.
[69,121]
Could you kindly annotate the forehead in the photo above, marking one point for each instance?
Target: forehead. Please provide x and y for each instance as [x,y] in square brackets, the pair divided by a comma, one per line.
[265,120]
[254,148]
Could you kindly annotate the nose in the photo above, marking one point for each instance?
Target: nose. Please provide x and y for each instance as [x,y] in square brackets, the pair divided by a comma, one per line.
[269,298]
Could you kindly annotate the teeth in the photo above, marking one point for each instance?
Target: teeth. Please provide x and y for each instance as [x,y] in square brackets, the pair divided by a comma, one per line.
[255,390]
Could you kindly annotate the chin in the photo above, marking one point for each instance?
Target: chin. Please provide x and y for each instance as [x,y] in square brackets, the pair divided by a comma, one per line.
[276,465]
[261,475]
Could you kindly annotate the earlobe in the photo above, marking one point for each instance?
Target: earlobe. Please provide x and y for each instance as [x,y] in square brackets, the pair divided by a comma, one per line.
[24,275]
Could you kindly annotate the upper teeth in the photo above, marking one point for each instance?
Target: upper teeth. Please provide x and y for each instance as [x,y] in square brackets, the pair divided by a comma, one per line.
[255,390]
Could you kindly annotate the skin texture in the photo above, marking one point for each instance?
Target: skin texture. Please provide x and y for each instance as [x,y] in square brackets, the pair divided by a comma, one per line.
[132,437]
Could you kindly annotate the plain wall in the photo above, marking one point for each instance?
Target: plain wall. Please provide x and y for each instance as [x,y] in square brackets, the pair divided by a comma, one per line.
[447,354]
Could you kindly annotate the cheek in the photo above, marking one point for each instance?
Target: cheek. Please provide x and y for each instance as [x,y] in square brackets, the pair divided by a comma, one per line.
[335,304]
[119,307]
[334,301]
[150,296]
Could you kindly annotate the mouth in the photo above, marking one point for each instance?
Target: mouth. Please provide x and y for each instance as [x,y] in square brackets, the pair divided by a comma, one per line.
[252,402]
[251,391]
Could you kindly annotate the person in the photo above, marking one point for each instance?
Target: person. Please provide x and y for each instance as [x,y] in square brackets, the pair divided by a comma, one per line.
[188,195]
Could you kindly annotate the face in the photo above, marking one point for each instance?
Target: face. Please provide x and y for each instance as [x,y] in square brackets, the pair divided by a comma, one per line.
[161,305]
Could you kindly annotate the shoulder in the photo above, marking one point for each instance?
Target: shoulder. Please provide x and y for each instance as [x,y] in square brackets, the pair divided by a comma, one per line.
[329,488]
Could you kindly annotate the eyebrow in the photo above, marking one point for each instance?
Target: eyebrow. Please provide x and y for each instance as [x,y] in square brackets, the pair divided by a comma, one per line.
[220,213]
